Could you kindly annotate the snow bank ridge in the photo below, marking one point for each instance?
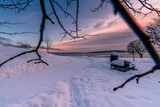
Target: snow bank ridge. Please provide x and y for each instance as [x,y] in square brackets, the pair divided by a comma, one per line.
[59,96]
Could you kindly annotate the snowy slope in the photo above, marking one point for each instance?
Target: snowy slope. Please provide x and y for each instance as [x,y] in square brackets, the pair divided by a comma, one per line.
[75,82]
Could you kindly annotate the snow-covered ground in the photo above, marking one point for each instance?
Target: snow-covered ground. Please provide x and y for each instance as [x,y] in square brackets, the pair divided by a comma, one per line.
[73,82]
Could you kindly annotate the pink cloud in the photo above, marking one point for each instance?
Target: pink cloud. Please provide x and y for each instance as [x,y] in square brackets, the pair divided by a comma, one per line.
[106,34]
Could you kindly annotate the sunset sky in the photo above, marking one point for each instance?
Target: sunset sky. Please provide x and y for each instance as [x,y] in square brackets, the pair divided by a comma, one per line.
[105,30]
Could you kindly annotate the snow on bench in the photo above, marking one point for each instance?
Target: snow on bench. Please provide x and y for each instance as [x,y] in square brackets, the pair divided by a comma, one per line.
[120,64]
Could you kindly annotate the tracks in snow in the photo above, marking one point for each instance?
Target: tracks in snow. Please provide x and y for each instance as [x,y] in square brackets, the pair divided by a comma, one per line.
[89,86]
[23,87]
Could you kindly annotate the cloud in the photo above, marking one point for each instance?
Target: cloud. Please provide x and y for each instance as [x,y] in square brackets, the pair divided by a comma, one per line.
[104,24]
[105,41]
[112,23]
[99,25]
[5,41]
[106,38]
[112,34]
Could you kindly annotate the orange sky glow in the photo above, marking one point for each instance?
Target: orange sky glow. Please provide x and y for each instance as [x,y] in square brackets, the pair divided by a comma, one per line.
[118,26]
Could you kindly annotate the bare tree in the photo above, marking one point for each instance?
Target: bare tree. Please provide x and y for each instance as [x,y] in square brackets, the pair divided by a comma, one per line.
[136,47]
[131,49]
[154,31]
[48,42]
[19,6]
[123,7]
[129,18]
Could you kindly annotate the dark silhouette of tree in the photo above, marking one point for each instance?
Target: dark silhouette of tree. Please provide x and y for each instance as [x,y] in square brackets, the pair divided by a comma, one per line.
[48,42]
[131,49]
[22,5]
[24,45]
[154,31]
[136,47]
[123,7]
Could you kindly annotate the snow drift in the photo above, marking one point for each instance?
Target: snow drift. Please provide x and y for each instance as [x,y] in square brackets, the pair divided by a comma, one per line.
[74,82]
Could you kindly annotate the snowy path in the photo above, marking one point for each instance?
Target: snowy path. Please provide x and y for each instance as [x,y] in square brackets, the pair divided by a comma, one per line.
[81,82]
[74,82]
[23,87]
[93,87]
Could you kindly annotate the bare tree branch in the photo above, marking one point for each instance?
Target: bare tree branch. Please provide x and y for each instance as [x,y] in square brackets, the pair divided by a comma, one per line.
[153,32]
[68,2]
[6,23]
[130,20]
[137,77]
[64,11]
[131,6]
[120,6]
[59,21]
[42,27]
[149,7]
[17,33]
[103,2]
[18,5]
[72,33]
[23,53]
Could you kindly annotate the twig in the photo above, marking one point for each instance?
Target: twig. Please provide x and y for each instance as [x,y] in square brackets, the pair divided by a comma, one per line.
[18,5]
[17,33]
[100,5]
[137,77]
[6,23]
[42,27]
[23,53]
[75,20]
[130,20]
[64,11]
[58,19]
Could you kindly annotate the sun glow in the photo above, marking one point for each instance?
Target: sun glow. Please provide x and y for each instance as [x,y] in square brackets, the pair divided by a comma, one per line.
[105,26]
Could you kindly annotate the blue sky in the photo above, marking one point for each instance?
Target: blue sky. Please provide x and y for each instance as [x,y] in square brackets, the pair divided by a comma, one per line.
[106,31]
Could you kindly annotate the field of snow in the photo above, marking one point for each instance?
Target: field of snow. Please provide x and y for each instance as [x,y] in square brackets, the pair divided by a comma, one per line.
[74,82]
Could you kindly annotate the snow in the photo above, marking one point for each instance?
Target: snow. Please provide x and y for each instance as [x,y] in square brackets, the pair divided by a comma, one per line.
[59,96]
[131,65]
[121,63]
[74,82]
[114,54]
[118,62]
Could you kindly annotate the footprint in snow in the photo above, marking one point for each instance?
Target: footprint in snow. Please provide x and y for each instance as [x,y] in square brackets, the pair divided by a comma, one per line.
[130,97]
[49,92]
[145,98]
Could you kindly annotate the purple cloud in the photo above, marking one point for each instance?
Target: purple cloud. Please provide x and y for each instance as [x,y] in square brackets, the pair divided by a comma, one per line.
[99,25]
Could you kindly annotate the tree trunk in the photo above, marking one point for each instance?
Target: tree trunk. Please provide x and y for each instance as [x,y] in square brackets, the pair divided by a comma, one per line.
[133,57]
[140,55]
[47,50]
[136,27]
